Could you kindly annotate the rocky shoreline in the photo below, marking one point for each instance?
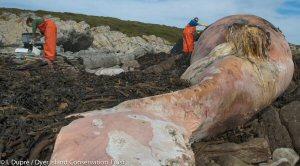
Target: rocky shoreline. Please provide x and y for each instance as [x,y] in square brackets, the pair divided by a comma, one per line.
[98,47]
[35,100]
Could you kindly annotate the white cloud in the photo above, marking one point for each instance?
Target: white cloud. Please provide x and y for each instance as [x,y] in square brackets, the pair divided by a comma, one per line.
[171,12]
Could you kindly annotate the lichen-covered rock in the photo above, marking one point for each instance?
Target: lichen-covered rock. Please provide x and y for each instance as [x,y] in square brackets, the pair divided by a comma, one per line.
[118,42]
[94,59]
[11,29]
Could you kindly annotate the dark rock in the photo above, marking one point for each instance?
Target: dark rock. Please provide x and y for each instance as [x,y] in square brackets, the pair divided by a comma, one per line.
[162,66]
[291,119]
[296,59]
[289,95]
[177,48]
[1,41]
[229,160]
[272,129]
[205,161]
[290,112]
[76,41]
[291,88]
[251,152]
[297,94]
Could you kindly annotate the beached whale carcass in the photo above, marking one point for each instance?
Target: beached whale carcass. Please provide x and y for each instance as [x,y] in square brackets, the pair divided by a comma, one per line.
[241,64]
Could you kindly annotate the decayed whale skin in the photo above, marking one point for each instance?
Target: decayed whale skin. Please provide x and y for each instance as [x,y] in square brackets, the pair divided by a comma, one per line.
[240,65]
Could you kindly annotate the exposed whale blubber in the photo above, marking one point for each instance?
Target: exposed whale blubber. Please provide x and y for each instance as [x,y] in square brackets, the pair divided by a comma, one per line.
[240,65]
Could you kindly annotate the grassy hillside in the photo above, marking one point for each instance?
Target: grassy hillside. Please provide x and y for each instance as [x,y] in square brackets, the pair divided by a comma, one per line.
[131,28]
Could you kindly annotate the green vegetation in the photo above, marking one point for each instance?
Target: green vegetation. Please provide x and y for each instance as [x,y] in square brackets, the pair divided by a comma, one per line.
[131,28]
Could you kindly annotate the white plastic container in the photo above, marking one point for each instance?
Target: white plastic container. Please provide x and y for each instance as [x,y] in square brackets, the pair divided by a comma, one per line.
[36,51]
[21,50]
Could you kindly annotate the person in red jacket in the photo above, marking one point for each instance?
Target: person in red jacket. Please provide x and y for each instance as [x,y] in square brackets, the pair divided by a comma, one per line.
[189,36]
[47,28]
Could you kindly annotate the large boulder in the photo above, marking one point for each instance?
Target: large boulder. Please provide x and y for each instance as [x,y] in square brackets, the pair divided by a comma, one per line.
[272,129]
[74,36]
[118,42]
[93,59]
[251,152]
[290,115]
[75,41]
[11,29]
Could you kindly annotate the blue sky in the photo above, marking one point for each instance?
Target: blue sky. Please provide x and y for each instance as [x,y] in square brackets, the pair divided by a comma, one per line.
[284,14]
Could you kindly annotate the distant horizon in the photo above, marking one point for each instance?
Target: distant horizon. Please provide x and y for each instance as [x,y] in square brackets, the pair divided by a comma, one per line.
[284,14]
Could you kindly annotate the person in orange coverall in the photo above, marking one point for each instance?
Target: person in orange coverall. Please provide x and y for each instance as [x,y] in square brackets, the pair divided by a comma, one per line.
[189,36]
[47,28]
